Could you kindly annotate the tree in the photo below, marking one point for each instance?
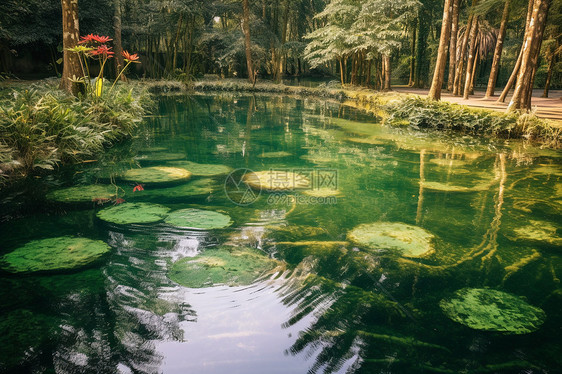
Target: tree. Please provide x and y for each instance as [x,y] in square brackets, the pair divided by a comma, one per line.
[498,51]
[247,41]
[521,98]
[117,45]
[471,57]
[71,64]
[439,73]
[453,45]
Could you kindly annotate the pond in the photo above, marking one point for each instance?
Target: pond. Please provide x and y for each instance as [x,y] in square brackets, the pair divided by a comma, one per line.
[368,249]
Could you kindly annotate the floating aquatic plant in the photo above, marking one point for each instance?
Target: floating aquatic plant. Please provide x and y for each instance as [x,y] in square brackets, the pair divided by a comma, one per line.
[198,219]
[84,194]
[157,174]
[410,241]
[61,253]
[277,180]
[223,266]
[204,170]
[194,188]
[128,213]
[492,310]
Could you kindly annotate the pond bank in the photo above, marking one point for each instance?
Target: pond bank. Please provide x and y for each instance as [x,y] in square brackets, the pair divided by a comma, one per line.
[398,108]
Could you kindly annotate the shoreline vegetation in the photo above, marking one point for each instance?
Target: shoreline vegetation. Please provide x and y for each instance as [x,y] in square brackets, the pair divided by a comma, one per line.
[42,127]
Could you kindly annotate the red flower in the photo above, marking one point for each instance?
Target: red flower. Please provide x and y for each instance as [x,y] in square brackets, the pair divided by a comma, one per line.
[138,187]
[101,39]
[86,39]
[118,201]
[102,50]
[130,57]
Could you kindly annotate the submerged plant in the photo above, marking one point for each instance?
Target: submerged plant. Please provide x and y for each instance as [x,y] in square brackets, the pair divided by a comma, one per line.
[224,266]
[492,310]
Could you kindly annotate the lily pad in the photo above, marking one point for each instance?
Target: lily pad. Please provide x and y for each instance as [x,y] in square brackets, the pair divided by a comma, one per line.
[492,310]
[160,156]
[411,241]
[157,174]
[277,180]
[61,253]
[84,194]
[198,219]
[195,188]
[128,213]
[224,266]
[204,170]
[279,154]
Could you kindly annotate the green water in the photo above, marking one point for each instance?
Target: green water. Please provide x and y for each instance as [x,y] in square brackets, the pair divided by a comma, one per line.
[327,307]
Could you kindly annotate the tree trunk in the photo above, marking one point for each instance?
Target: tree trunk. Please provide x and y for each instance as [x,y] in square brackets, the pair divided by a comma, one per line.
[341,71]
[386,63]
[498,52]
[70,36]
[412,58]
[548,76]
[460,63]
[421,46]
[117,46]
[247,42]
[521,98]
[513,76]
[471,57]
[439,73]
[453,45]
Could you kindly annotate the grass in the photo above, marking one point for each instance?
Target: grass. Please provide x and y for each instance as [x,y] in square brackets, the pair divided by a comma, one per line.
[399,110]
[42,127]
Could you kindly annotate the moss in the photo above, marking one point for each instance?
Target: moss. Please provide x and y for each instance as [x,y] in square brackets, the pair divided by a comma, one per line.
[156,174]
[84,194]
[198,219]
[408,240]
[61,253]
[223,266]
[128,213]
[492,310]
[204,170]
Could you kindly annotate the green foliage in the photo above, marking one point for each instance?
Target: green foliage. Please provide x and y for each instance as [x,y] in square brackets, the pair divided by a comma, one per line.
[128,213]
[42,127]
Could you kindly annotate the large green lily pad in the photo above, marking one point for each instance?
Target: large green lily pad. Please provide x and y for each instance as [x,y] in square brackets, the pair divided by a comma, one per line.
[198,219]
[128,213]
[157,174]
[195,188]
[160,156]
[411,241]
[84,194]
[61,253]
[277,180]
[492,310]
[223,266]
[203,170]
